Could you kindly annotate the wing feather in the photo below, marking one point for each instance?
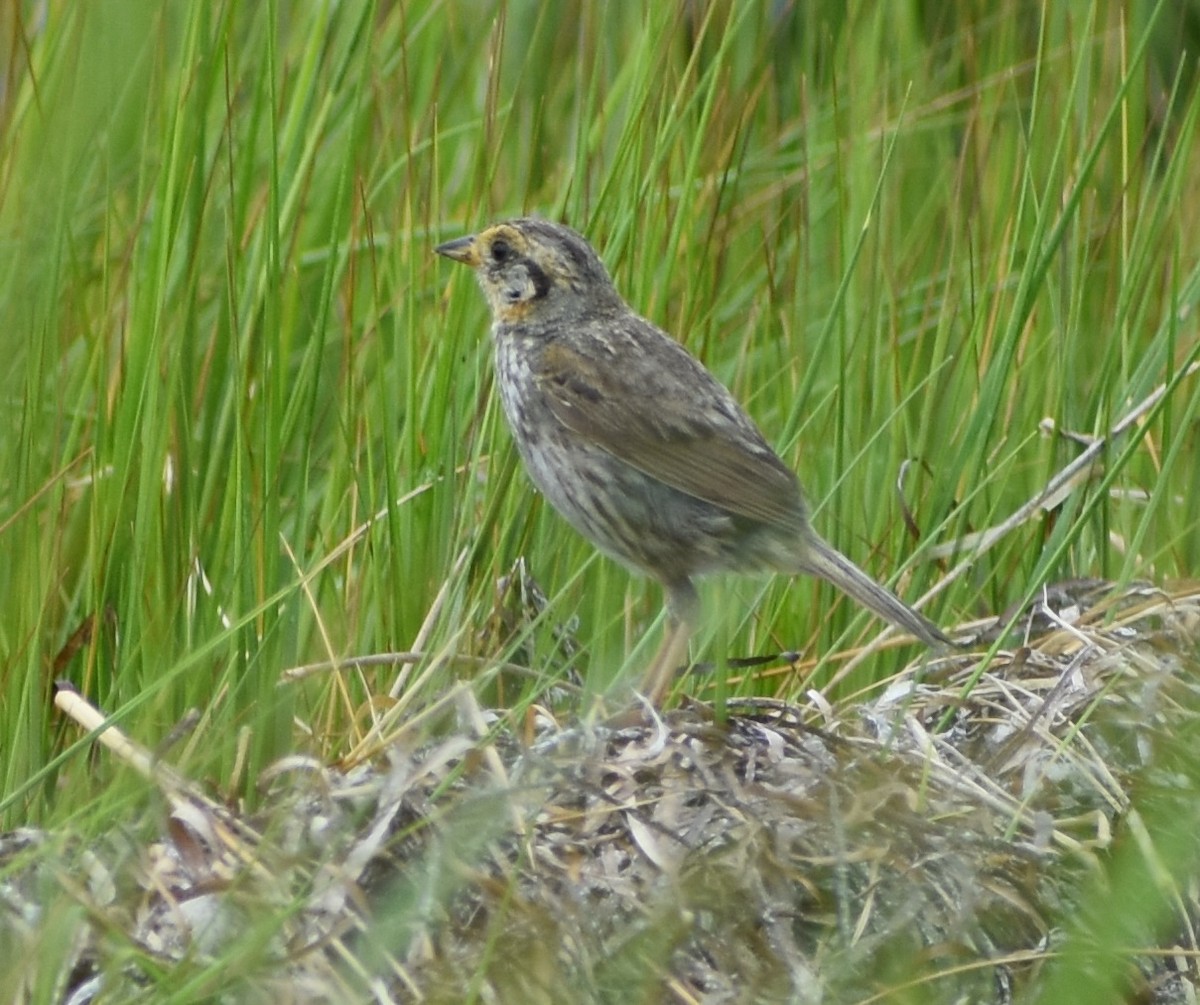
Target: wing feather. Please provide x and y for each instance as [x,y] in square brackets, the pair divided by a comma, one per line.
[711,449]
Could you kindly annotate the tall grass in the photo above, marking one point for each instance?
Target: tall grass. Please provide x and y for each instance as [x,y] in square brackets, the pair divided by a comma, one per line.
[230,345]
[249,414]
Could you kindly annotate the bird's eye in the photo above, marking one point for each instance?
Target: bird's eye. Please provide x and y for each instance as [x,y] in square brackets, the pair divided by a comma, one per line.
[501,251]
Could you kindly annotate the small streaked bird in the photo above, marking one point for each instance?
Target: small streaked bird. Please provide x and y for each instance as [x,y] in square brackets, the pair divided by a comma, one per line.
[635,443]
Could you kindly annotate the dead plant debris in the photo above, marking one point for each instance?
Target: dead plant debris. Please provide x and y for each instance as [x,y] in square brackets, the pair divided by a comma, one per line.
[954,838]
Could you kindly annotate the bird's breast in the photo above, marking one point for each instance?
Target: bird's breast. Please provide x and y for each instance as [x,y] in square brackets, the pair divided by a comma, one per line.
[515,355]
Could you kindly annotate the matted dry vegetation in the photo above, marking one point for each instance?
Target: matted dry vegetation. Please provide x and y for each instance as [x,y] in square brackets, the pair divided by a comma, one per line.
[946,841]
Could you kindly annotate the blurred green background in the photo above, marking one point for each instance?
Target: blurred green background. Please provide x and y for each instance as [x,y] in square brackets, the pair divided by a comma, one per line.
[249,421]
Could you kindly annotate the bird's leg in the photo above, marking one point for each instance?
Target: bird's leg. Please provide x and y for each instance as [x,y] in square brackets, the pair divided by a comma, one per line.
[660,675]
[683,608]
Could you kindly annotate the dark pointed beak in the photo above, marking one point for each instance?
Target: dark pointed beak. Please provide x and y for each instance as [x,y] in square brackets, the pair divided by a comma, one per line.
[461,249]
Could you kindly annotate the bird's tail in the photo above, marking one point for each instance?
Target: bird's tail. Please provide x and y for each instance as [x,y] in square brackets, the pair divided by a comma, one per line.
[823,560]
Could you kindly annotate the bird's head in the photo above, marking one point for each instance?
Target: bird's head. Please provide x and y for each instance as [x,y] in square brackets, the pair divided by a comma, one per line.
[531,269]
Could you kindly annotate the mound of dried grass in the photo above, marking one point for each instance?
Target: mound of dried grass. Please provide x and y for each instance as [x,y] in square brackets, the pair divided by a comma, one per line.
[942,842]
